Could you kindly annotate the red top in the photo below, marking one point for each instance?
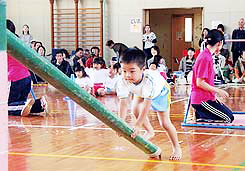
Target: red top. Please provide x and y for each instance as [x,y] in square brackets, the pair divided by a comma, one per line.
[203,68]
[16,70]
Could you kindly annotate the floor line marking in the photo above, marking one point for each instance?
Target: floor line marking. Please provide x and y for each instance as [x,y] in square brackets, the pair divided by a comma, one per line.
[175,101]
[125,159]
[96,128]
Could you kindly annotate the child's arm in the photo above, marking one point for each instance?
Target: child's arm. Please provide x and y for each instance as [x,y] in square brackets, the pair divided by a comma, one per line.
[142,116]
[204,85]
[123,108]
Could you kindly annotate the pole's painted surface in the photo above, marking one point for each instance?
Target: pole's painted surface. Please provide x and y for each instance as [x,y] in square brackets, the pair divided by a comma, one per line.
[3,40]
[54,76]
[3,90]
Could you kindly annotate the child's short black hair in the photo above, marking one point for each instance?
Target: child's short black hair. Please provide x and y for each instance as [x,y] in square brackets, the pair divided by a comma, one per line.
[82,69]
[214,36]
[98,60]
[192,49]
[59,52]
[117,66]
[95,47]
[221,26]
[156,60]
[43,49]
[134,55]
[78,49]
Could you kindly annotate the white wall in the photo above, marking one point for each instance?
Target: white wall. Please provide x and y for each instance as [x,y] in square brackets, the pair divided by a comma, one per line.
[36,13]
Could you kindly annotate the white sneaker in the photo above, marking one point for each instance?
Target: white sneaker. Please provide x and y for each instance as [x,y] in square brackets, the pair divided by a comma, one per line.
[44,104]
[27,107]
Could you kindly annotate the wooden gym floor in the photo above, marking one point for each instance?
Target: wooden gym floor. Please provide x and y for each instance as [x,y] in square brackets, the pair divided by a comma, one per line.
[68,142]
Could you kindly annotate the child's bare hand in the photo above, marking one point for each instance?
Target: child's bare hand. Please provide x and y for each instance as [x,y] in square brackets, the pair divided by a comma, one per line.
[135,133]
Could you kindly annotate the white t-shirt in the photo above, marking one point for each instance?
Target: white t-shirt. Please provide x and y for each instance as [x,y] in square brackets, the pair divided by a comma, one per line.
[84,81]
[97,76]
[150,86]
[148,38]
[112,82]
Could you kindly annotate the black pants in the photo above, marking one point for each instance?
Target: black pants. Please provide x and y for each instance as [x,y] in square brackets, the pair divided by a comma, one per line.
[235,56]
[19,90]
[18,94]
[148,53]
[213,110]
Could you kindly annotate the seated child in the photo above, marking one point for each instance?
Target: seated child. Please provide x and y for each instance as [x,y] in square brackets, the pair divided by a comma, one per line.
[159,65]
[187,62]
[111,81]
[219,64]
[150,89]
[97,74]
[83,79]
[239,69]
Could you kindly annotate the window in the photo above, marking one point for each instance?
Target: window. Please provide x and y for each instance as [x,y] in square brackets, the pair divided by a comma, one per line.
[188,29]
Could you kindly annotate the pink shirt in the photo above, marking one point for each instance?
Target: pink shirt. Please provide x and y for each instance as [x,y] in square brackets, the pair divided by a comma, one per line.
[16,70]
[203,68]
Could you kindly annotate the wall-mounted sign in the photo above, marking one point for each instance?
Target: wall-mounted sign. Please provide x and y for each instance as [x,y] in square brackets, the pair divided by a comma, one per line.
[135,25]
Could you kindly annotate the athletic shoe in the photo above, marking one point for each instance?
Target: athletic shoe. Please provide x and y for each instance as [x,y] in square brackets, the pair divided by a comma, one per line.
[44,105]
[27,107]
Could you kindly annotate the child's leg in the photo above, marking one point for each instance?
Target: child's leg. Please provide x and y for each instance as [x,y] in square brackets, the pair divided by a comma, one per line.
[136,107]
[166,123]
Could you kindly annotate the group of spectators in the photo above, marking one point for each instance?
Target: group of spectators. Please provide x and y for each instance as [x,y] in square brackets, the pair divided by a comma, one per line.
[229,67]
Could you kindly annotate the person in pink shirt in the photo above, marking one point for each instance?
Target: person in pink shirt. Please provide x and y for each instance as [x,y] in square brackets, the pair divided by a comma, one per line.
[20,79]
[208,107]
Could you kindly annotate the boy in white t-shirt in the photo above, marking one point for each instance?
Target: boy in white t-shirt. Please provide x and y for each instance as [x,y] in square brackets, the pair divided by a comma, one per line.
[150,89]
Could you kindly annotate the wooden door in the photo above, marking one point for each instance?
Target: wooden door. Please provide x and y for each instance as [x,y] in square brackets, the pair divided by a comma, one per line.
[178,39]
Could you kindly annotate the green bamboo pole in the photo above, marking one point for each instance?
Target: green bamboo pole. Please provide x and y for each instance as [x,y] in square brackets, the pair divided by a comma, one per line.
[51,74]
[3,38]
[3,89]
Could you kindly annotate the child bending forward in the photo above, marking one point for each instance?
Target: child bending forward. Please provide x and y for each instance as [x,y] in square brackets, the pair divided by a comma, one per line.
[150,90]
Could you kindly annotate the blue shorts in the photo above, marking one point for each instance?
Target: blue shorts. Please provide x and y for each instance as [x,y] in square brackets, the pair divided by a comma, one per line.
[162,102]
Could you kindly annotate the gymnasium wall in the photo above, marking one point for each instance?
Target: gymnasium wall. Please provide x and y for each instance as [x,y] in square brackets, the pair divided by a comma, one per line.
[36,13]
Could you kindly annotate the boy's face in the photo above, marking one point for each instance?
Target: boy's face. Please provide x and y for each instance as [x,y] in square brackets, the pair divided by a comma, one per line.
[79,53]
[59,58]
[132,72]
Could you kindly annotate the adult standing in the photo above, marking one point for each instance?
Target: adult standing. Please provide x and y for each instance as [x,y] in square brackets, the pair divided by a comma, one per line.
[149,40]
[25,36]
[238,47]
[203,41]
